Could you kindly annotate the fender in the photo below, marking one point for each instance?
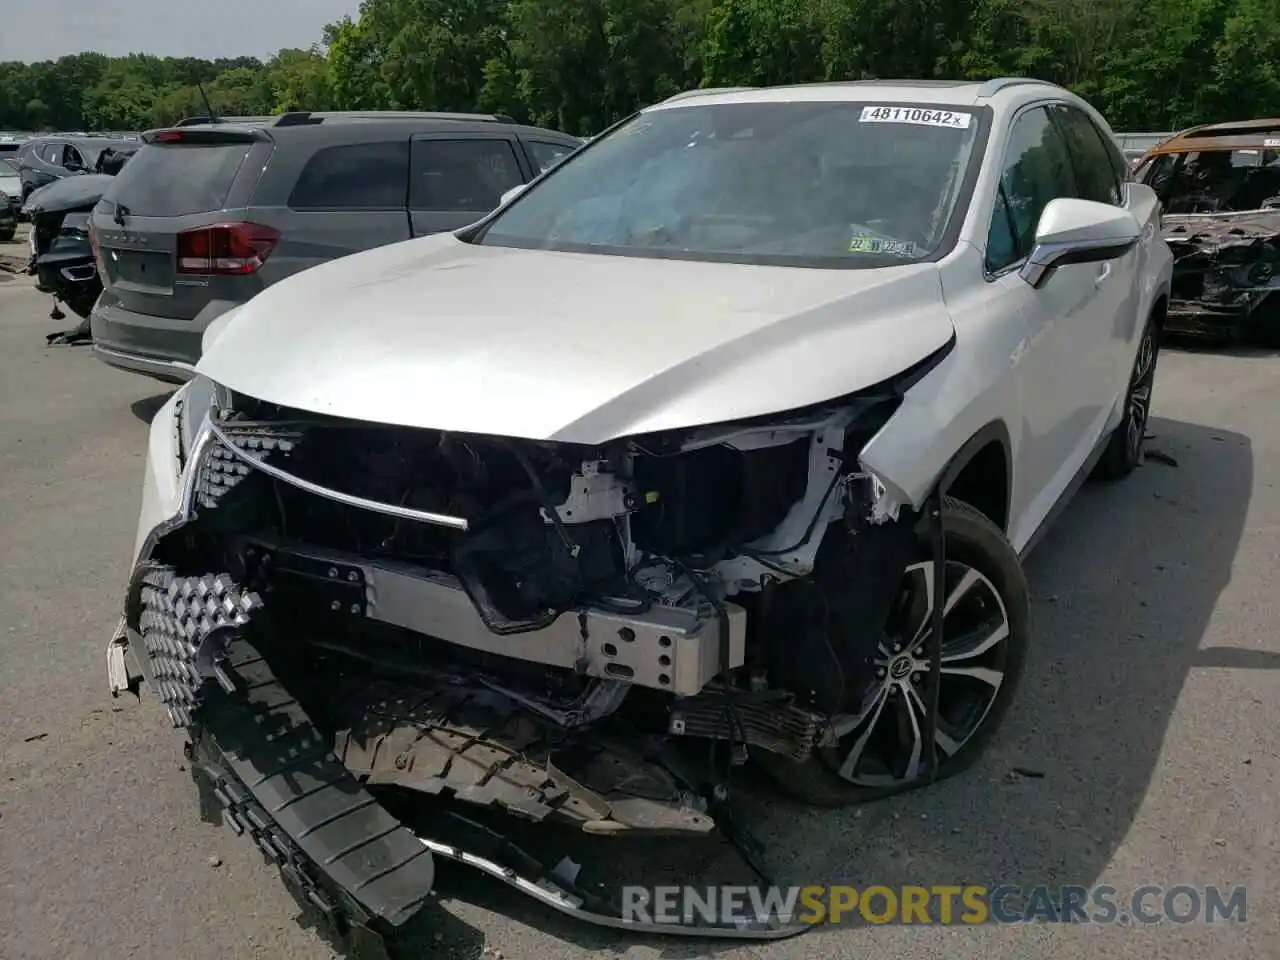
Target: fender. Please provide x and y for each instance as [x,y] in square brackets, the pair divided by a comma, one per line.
[994,431]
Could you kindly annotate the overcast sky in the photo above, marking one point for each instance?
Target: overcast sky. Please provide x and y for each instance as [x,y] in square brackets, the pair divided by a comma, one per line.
[48,29]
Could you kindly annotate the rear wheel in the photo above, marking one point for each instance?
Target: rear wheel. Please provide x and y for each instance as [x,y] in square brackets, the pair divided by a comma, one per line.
[1123,452]
[880,749]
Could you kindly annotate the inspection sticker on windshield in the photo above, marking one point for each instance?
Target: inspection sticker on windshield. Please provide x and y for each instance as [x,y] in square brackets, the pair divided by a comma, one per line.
[897,248]
[924,118]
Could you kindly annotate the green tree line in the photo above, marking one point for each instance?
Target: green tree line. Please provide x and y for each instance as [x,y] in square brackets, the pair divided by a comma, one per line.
[579,65]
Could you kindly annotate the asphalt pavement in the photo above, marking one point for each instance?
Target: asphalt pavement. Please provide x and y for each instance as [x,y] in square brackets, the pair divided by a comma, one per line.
[1145,727]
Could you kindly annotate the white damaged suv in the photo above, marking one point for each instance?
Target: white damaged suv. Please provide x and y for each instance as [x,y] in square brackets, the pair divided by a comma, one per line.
[729,432]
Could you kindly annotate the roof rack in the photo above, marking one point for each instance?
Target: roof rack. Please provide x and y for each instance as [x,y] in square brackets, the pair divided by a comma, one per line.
[991,87]
[686,94]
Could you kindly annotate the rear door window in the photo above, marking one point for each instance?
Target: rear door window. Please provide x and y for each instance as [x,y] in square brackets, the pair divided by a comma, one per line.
[361,176]
[169,180]
[546,154]
[465,175]
[1094,173]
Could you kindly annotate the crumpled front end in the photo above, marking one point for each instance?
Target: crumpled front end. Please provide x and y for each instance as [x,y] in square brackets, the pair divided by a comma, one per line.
[1226,272]
[349,619]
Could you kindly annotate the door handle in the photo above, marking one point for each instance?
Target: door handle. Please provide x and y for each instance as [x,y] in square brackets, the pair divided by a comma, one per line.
[1103,272]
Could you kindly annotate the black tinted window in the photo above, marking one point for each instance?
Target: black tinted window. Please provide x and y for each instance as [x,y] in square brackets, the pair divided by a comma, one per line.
[1002,240]
[1095,176]
[363,176]
[1037,169]
[1120,163]
[72,158]
[546,154]
[466,175]
[172,181]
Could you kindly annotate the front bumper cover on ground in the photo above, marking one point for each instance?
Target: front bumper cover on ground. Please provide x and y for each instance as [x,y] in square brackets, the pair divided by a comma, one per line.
[275,778]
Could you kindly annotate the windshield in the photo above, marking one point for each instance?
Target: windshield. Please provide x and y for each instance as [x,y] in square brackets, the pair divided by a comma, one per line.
[826,184]
[1216,181]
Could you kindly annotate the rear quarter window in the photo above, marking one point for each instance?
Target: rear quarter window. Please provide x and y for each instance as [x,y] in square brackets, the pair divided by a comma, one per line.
[462,175]
[547,154]
[361,176]
[163,180]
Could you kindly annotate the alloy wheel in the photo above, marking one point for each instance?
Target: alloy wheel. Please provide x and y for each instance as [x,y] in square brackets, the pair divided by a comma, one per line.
[1139,408]
[883,745]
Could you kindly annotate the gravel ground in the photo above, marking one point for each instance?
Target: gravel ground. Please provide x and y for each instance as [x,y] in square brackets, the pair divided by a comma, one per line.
[1150,706]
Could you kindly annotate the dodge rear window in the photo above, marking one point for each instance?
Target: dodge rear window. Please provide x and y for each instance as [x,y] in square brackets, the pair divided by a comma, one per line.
[164,180]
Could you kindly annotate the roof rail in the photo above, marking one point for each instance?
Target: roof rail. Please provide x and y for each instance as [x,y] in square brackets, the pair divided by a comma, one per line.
[298,118]
[316,116]
[685,94]
[991,87]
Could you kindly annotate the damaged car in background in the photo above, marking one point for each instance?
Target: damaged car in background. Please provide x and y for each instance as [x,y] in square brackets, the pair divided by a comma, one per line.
[1220,188]
[62,257]
[721,443]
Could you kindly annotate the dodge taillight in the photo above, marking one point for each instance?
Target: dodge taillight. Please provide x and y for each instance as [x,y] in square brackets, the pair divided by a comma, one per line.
[226,249]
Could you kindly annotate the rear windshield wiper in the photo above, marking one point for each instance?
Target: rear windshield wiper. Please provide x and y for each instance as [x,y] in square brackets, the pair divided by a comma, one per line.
[120,213]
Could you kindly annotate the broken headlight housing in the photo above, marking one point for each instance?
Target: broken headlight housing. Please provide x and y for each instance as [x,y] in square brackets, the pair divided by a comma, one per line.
[193,404]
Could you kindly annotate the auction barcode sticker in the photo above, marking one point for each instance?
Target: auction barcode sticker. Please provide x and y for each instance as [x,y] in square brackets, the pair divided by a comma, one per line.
[925,118]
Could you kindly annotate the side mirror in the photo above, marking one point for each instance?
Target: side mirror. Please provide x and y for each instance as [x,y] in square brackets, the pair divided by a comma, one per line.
[512,194]
[1078,231]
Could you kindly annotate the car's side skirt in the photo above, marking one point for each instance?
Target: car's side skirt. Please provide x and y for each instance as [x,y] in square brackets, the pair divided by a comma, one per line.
[1068,494]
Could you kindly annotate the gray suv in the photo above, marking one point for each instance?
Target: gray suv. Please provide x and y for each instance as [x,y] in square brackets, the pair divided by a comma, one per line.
[204,216]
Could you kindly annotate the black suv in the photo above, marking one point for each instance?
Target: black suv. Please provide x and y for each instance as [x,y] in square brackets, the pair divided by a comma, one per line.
[205,215]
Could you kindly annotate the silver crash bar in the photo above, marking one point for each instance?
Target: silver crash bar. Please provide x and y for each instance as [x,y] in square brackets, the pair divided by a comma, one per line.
[375,506]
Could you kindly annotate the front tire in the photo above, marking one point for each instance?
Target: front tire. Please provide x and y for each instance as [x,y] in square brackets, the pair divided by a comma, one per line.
[879,750]
[1123,452]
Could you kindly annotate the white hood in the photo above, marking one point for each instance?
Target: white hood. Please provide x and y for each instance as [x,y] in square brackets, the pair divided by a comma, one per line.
[584,348]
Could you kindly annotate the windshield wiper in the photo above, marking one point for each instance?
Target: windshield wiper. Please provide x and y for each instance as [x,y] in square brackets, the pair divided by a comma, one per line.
[121,212]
